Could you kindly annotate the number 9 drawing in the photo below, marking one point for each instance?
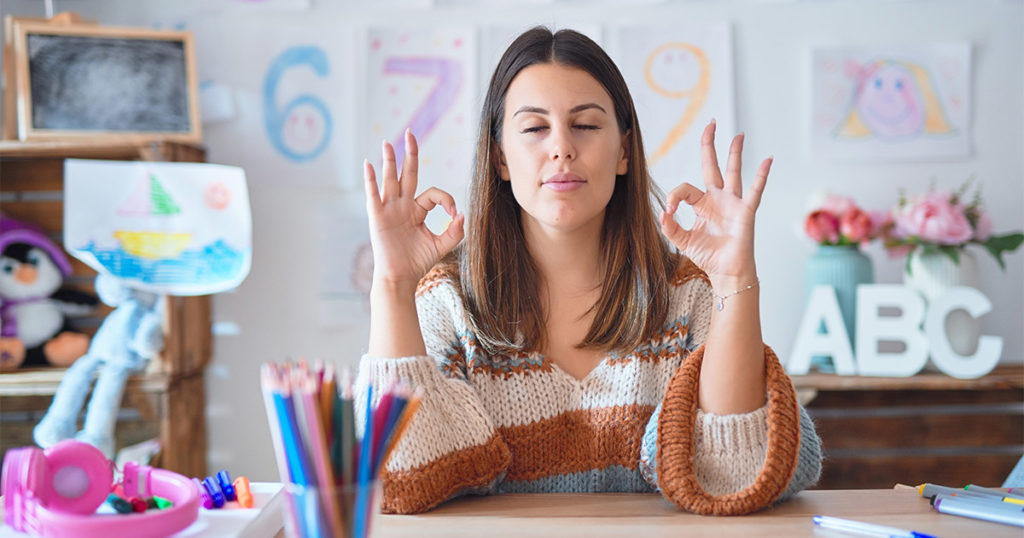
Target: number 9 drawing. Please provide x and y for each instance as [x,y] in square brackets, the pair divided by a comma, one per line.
[697,93]
[301,130]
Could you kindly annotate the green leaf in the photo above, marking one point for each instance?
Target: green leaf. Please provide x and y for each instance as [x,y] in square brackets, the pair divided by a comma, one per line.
[998,244]
[952,252]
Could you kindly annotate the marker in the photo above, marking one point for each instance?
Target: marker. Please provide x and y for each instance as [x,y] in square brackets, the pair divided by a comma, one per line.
[215,493]
[243,492]
[996,512]
[1000,493]
[931,490]
[865,529]
[224,481]
[204,496]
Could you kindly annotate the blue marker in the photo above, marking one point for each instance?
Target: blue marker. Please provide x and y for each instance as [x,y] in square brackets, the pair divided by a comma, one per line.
[224,481]
[215,492]
[865,529]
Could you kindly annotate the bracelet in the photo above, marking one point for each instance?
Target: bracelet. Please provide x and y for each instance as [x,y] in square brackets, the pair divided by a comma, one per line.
[722,298]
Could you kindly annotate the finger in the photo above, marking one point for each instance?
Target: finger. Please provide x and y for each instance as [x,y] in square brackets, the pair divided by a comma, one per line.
[451,236]
[709,158]
[370,185]
[733,181]
[410,166]
[672,231]
[683,193]
[433,197]
[753,195]
[389,174]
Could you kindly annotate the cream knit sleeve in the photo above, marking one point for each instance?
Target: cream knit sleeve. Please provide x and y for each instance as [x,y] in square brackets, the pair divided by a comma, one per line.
[451,446]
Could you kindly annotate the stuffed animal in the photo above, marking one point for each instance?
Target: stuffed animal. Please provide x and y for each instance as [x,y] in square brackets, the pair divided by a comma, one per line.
[34,328]
[129,337]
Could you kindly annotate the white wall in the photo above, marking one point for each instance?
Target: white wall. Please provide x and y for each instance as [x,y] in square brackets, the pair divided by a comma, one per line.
[276,308]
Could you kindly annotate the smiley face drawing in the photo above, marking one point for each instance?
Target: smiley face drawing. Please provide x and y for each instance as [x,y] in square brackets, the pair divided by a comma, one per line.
[893,100]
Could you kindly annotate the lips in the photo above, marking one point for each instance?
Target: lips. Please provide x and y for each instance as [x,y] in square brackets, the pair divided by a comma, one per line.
[564,181]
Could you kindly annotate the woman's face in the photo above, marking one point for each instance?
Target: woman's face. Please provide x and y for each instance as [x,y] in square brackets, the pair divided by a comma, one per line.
[561,147]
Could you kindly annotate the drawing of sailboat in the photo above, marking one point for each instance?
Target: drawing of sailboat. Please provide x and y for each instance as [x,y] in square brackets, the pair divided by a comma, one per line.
[150,199]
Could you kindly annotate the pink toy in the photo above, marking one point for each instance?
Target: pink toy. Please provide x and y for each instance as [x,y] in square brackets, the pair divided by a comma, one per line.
[56,492]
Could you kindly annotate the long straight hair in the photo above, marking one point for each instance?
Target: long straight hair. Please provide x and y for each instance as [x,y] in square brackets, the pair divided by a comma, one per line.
[498,277]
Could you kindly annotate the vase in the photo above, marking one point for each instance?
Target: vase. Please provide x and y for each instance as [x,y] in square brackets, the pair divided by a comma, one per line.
[844,268]
[932,275]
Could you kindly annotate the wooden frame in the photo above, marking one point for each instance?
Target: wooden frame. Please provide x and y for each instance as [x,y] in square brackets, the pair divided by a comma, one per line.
[20,85]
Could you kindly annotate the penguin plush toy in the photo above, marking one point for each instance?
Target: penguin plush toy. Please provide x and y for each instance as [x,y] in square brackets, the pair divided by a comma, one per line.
[34,308]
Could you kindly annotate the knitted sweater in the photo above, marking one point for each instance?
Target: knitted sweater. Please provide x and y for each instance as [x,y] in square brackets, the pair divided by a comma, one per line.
[497,424]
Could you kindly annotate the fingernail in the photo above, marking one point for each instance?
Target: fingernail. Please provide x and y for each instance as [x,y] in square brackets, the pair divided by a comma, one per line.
[712,120]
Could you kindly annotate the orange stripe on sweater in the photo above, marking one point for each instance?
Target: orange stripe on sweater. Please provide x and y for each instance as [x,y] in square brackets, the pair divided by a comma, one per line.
[577,441]
[417,490]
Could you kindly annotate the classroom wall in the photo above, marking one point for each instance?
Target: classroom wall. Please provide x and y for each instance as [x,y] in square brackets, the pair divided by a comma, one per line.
[278,312]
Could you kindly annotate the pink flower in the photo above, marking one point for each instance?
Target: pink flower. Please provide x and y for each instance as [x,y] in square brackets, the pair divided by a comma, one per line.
[983,228]
[822,226]
[856,225]
[933,218]
[837,205]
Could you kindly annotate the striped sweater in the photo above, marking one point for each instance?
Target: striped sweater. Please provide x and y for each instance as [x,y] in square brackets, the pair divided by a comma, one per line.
[500,424]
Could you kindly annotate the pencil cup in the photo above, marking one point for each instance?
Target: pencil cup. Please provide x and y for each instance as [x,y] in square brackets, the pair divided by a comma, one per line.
[336,511]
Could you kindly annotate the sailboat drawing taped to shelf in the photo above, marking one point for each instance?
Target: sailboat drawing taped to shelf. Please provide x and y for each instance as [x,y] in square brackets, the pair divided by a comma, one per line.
[182,228]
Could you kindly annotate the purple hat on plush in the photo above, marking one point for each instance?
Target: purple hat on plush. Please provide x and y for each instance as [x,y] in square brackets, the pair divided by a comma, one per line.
[14,231]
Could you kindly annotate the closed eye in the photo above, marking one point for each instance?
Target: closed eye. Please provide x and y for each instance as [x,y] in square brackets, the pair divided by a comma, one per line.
[534,129]
[586,127]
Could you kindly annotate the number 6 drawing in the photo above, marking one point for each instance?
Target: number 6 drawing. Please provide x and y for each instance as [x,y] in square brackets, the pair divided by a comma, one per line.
[697,94]
[276,120]
[449,81]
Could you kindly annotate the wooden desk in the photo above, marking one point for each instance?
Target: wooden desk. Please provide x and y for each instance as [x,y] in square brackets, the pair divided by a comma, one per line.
[616,515]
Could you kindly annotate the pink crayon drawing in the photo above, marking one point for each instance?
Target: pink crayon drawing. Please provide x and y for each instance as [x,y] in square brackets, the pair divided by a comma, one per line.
[892,100]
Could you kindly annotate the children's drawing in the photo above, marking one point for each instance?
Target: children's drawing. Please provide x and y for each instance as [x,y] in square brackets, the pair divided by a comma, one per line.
[891,104]
[174,228]
[681,77]
[422,79]
[346,267]
[301,129]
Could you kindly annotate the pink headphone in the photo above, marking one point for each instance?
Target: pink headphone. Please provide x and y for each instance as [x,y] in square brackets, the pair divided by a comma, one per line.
[56,493]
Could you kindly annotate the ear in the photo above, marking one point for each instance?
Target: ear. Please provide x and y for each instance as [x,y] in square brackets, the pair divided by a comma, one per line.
[623,165]
[499,156]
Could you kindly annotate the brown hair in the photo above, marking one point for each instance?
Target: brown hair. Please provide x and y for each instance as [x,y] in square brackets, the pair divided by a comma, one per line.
[498,278]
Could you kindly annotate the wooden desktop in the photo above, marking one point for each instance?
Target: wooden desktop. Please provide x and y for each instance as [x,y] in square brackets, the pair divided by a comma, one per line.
[599,515]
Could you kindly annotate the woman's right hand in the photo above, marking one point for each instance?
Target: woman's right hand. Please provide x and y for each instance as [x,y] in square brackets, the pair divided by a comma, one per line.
[404,249]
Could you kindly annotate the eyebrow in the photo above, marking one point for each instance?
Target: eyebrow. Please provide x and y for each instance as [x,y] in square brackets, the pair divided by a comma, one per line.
[573,110]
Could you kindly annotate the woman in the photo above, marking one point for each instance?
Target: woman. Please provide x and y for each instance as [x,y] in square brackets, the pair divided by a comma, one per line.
[564,346]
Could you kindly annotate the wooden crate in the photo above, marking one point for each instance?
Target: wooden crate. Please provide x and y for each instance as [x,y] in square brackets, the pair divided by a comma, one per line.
[878,432]
[169,398]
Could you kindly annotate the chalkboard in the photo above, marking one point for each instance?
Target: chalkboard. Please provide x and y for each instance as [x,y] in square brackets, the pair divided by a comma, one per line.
[92,80]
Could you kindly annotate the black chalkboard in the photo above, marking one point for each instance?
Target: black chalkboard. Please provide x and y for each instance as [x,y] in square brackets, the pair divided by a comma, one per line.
[92,83]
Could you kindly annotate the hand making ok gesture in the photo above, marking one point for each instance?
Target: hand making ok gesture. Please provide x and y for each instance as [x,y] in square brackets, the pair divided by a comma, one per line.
[404,249]
[721,241]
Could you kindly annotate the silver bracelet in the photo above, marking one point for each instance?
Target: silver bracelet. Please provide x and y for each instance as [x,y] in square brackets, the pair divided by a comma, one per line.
[722,298]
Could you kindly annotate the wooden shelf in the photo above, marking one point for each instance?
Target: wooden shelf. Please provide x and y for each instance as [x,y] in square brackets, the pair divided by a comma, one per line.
[44,382]
[1002,377]
[16,149]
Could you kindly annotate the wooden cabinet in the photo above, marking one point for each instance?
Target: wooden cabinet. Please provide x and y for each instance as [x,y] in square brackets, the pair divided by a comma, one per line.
[878,431]
[168,399]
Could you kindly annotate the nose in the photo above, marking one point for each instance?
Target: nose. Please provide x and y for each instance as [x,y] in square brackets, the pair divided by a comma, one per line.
[562,147]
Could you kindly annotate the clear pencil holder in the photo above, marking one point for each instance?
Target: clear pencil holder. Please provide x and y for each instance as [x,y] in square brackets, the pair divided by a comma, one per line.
[337,511]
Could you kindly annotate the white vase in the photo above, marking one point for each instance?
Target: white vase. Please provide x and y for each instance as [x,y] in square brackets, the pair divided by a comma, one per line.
[933,274]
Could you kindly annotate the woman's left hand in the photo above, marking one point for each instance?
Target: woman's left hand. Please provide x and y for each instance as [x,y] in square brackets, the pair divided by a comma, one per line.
[721,241]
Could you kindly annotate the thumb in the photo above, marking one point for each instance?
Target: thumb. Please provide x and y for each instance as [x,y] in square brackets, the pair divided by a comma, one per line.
[452,235]
[672,231]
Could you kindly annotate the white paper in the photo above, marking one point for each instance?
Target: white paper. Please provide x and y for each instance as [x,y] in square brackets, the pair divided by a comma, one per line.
[174,228]
[680,77]
[910,103]
[423,79]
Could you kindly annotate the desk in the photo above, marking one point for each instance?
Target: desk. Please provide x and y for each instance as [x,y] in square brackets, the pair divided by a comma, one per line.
[616,515]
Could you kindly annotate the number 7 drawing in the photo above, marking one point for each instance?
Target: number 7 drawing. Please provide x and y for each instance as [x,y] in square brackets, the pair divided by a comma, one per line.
[449,81]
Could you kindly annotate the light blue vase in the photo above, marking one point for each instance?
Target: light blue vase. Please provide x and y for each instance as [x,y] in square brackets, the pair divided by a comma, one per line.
[844,268]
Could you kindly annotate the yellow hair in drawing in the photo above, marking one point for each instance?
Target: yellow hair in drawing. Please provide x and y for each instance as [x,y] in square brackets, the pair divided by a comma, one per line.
[893,100]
